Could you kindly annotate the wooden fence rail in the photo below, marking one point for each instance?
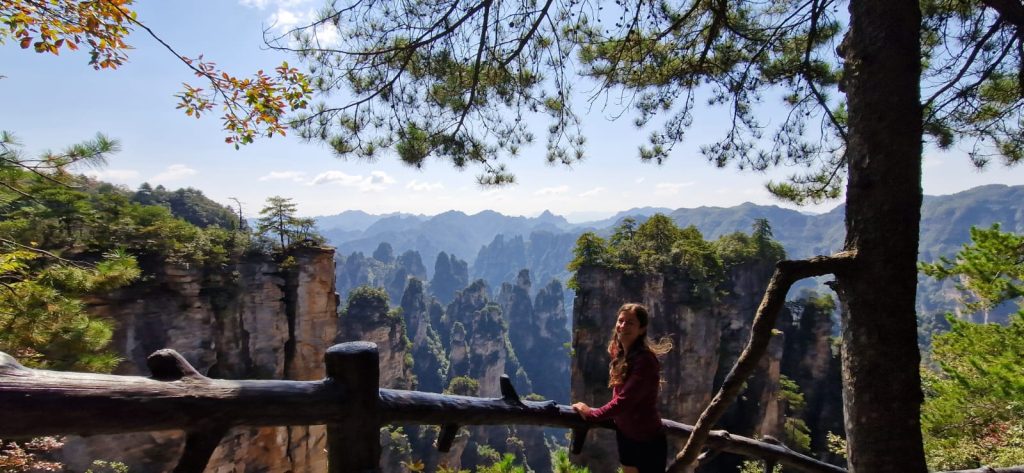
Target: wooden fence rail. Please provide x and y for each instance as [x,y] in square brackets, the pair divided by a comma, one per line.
[349,401]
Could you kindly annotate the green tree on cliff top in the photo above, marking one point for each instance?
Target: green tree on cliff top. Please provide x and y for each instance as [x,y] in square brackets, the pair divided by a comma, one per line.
[278,218]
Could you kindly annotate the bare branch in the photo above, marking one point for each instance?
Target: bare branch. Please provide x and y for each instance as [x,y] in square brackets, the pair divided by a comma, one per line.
[1011,11]
[966,67]
[786,273]
[529,34]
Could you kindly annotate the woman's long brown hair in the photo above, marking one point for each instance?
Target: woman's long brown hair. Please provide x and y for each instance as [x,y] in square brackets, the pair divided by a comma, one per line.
[618,368]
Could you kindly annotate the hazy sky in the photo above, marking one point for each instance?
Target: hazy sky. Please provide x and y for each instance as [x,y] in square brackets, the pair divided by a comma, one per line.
[49,102]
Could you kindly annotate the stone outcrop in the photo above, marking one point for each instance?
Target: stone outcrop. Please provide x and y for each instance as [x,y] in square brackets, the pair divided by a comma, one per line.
[544,253]
[450,275]
[499,261]
[538,334]
[430,361]
[367,317]
[382,270]
[253,320]
[487,354]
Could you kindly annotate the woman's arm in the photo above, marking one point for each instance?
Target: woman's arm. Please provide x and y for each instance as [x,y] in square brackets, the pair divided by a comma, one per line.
[640,384]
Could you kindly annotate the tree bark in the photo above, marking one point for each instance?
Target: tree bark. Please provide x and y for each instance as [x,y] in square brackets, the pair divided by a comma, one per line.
[881,382]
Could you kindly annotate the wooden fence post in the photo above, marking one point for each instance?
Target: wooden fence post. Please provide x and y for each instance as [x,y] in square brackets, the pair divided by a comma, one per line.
[355,445]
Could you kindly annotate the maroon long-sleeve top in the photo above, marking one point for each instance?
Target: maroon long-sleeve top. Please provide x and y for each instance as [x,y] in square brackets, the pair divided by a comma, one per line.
[634,403]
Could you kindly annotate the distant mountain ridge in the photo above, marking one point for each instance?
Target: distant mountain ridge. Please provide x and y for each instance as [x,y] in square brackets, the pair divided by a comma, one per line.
[497,246]
[945,223]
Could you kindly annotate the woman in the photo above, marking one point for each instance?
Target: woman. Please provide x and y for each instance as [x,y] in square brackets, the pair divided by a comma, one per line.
[634,379]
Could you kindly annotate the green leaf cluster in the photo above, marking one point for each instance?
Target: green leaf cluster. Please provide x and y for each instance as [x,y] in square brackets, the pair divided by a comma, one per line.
[463,386]
[43,321]
[973,413]
[560,462]
[65,238]
[797,433]
[506,463]
[189,205]
[989,270]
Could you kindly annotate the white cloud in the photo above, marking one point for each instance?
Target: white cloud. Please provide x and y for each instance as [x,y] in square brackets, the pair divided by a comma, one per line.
[290,14]
[263,4]
[558,190]
[328,35]
[592,192]
[174,172]
[670,188]
[113,175]
[417,186]
[375,182]
[294,176]
[640,180]
[381,177]
[284,19]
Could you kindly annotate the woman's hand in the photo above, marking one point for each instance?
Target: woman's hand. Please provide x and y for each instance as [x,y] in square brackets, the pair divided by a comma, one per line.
[582,408]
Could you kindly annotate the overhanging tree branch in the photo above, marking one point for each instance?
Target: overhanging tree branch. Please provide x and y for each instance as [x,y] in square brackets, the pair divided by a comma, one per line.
[1011,11]
[786,273]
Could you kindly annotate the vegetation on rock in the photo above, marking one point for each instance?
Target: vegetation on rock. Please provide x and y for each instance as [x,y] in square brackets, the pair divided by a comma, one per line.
[659,246]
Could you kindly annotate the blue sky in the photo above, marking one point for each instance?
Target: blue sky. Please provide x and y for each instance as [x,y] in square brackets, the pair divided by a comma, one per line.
[49,102]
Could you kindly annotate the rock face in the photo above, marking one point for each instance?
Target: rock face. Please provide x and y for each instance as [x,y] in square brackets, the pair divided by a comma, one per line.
[254,320]
[499,261]
[382,270]
[450,275]
[430,361]
[538,334]
[367,317]
[810,361]
[480,344]
[706,339]
[544,253]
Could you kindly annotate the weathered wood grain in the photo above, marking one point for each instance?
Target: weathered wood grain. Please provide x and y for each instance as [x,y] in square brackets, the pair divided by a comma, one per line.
[39,402]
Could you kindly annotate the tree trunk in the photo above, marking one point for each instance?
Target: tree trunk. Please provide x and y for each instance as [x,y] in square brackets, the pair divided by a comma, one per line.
[881,382]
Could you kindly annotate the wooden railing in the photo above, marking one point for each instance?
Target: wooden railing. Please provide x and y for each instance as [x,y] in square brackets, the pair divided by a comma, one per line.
[349,401]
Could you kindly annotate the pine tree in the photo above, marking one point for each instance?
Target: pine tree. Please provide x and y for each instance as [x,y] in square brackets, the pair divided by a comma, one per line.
[989,270]
[278,217]
[973,414]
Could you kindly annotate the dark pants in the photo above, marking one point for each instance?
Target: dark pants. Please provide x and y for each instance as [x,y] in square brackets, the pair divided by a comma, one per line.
[648,456]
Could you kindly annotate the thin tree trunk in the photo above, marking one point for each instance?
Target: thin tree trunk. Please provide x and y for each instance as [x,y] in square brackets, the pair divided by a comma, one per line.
[881,382]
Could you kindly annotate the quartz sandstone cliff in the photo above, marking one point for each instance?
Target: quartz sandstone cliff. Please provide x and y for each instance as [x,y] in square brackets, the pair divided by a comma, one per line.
[251,320]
